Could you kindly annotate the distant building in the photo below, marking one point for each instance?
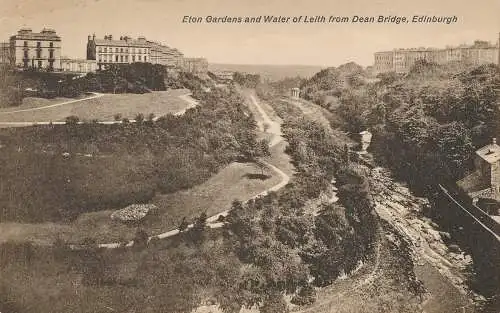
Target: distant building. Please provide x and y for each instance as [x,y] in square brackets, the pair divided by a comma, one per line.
[484,183]
[195,65]
[36,50]
[5,55]
[126,50]
[401,60]
[78,65]
[164,55]
[122,51]
[224,75]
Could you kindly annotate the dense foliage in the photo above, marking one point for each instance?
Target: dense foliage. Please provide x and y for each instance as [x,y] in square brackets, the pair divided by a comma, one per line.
[115,78]
[326,86]
[426,124]
[246,80]
[58,171]
[271,246]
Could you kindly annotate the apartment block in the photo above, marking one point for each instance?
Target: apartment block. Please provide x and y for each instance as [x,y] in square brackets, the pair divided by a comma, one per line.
[36,50]
[401,60]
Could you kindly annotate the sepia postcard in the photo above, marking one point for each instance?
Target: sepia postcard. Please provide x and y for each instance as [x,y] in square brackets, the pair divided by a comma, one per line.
[246,156]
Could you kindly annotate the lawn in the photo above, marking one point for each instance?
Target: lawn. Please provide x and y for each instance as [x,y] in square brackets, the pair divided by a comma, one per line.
[103,108]
[33,102]
[213,196]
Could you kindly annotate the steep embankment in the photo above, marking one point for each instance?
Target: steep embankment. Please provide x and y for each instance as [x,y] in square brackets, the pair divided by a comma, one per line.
[440,271]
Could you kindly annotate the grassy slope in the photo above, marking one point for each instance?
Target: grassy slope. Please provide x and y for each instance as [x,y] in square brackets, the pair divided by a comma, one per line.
[215,195]
[33,102]
[104,108]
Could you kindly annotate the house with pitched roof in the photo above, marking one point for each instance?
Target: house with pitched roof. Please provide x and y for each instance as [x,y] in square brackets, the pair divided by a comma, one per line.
[483,185]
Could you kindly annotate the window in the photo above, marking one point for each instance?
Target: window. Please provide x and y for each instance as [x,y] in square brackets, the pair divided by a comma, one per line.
[126,58]
[105,50]
[133,58]
[39,53]
[145,58]
[121,58]
[39,64]
[139,58]
[100,49]
[116,50]
[51,54]
[51,45]
[25,43]
[116,57]
[38,44]
[26,54]
[121,50]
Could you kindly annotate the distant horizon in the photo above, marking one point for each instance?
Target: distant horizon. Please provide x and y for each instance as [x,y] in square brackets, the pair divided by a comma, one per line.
[325,44]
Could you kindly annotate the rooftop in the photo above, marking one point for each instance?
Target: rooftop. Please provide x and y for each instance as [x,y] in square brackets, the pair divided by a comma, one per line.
[122,43]
[27,33]
[477,44]
[490,153]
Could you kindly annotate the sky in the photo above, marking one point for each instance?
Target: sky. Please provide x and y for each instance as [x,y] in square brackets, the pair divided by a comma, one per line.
[321,44]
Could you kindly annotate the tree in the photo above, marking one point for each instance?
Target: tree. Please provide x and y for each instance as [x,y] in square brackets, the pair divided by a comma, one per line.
[183,225]
[306,296]
[274,304]
[141,238]
[72,120]
[151,117]
[197,232]
[262,166]
[139,118]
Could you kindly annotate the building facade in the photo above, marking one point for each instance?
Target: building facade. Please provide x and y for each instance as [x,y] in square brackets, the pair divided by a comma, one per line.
[224,75]
[401,60]
[195,65]
[36,50]
[126,50]
[5,55]
[78,65]
[121,51]
[164,55]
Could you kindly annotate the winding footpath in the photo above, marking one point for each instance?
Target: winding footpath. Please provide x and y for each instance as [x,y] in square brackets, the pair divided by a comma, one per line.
[186,97]
[273,128]
[95,95]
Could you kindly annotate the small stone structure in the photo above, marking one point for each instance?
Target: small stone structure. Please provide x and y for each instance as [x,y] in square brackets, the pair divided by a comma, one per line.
[295,92]
[366,139]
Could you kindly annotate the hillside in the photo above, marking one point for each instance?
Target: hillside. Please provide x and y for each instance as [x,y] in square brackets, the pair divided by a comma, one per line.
[271,72]
[325,86]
